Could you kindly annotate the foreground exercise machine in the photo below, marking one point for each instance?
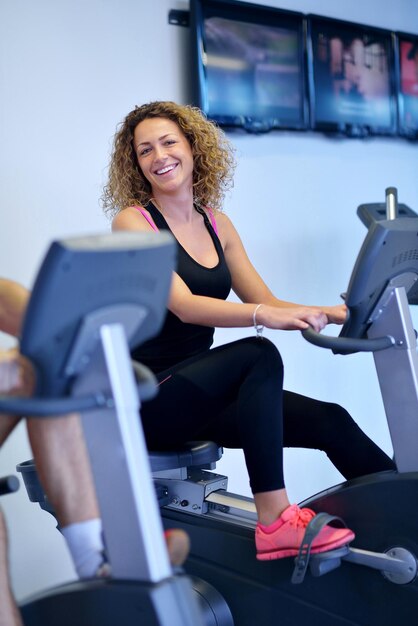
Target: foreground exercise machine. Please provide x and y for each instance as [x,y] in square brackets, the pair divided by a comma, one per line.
[94,297]
[373,583]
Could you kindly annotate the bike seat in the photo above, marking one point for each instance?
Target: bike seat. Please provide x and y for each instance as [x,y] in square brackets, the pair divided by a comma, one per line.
[203,454]
[192,454]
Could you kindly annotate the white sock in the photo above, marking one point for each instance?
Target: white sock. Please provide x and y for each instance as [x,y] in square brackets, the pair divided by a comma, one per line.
[85,543]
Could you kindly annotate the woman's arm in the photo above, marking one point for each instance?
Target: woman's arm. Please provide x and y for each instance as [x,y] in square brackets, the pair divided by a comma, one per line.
[248,284]
[207,311]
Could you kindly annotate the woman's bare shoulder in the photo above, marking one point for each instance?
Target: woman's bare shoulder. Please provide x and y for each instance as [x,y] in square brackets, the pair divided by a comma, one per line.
[130,218]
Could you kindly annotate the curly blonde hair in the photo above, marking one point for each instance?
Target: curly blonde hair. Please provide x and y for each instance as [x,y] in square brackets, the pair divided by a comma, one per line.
[213,158]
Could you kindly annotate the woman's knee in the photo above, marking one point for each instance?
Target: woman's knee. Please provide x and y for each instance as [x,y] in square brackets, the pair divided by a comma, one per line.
[333,423]
[264,354]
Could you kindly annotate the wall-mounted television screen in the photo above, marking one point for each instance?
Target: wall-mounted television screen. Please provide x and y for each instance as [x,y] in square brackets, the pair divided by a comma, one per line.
[351,78]
[249,67]
[407,54]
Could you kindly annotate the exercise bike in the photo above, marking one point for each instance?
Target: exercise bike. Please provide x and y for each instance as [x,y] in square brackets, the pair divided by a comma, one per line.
[375,582]
[93,298]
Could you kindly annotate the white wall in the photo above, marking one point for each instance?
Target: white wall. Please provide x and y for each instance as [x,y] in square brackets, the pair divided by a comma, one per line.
[69,72]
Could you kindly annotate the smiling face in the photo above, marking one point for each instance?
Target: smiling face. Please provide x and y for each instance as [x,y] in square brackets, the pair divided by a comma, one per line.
[164,156]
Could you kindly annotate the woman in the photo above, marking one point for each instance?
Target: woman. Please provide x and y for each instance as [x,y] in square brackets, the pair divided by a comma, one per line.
[169,170]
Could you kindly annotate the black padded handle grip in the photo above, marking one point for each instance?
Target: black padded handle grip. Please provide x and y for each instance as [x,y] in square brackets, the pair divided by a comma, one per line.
[9,484]
[347,344]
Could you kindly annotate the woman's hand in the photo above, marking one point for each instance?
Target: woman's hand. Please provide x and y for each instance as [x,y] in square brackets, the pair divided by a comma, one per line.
[336,314]
[292,318]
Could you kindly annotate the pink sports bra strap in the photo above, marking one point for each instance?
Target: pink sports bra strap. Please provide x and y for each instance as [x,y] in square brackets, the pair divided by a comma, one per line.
[154,227]
[212,220]
[147,217]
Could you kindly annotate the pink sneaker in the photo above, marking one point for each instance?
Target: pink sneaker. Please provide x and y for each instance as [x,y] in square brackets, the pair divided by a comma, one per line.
[283,538]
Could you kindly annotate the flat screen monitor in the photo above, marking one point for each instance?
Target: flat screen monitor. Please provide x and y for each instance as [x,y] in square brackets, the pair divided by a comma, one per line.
[351,78]
[249,65]
[407,77]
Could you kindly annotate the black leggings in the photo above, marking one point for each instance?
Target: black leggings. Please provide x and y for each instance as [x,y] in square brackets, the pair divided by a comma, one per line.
[234,395]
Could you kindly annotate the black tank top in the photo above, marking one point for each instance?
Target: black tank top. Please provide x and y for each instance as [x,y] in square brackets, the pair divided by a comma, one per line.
[178,341]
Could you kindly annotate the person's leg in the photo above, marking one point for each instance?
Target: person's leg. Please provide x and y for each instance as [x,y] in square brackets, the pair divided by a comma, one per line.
[310,423]
[10,380]
[62,464]
[63,467]
[9,614]
[64,471]
[233,395]
[13,302]
[7,424]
